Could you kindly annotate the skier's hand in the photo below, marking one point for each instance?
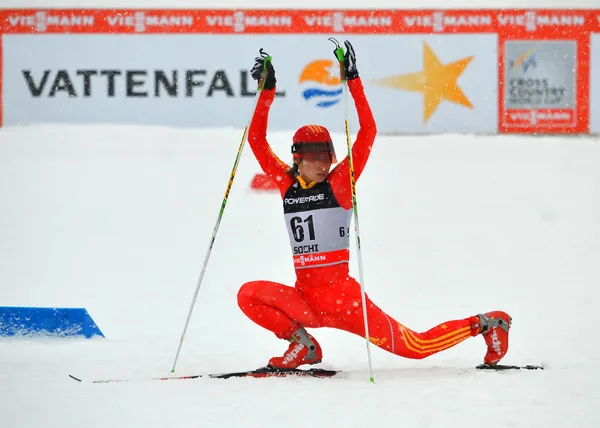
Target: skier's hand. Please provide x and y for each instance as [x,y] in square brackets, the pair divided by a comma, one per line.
[262,63]
[347,60]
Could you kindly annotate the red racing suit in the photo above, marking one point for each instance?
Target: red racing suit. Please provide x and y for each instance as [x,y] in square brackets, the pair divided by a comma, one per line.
[318,219]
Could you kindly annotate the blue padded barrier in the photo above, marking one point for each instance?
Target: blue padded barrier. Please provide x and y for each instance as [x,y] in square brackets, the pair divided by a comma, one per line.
[55,322]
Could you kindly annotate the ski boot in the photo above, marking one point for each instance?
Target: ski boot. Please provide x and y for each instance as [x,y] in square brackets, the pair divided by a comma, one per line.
[494,327]
[303,349]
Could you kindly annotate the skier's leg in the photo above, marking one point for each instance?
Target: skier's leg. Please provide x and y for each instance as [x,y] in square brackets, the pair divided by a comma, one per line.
[276,307]
[385,332]
[282,310]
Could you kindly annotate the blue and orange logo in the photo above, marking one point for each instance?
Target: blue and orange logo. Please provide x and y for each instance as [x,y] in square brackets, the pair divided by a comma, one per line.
[525,61]
[321,83]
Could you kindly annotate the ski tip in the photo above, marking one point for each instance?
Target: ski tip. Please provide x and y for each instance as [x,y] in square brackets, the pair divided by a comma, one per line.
[535,367]
[75,378]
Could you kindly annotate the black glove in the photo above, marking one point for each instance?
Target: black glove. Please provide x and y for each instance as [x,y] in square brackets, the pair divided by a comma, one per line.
[347,59]
[263,63]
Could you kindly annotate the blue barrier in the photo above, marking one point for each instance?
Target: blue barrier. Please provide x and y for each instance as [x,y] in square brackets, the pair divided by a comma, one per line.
[61,322]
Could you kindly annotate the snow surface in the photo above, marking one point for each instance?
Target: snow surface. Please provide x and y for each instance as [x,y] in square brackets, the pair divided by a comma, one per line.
[117,219]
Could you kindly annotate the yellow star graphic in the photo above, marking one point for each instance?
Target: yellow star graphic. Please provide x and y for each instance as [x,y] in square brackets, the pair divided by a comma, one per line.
[444,327]
[437,82]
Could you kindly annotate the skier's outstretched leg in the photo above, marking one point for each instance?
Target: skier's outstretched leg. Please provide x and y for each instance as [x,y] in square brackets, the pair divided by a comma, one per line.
[389,334]
[493,326]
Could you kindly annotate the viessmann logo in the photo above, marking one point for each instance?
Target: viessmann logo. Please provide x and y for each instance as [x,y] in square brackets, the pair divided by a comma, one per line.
[437,82]
[531,20]
[240,21]
[338,21]
[42,20]
[440,21]
[141,21]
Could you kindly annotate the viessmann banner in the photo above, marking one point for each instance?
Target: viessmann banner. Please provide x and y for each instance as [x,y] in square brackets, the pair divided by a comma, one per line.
[595,84]
[481,71]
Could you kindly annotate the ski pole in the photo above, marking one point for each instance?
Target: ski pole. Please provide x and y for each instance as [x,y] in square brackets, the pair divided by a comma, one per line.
[339,52]
[261,83]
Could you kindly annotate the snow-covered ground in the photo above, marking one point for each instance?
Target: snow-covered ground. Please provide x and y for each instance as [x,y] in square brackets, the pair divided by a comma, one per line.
[117,219]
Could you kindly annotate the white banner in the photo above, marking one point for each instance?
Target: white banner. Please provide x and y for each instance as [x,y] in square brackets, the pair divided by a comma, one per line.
[595,85]
[415,83]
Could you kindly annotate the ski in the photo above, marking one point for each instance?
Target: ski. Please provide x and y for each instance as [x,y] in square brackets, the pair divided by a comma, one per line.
[265,372]
[500,367]
[258,373]
[130,380]
[273,372]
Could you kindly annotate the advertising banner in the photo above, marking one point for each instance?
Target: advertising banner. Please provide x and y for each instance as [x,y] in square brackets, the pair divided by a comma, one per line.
[424,71]
[595,85]
[145,79]
[540,83]
[415,83]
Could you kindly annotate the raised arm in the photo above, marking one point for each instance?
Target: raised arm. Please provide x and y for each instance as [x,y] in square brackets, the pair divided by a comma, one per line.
[361,149]
[257,134]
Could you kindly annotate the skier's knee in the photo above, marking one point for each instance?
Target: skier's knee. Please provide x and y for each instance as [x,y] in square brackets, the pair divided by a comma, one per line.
[246,293]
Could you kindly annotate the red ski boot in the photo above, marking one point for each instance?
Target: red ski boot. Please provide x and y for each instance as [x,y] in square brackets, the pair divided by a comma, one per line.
[303,349]
[494,327]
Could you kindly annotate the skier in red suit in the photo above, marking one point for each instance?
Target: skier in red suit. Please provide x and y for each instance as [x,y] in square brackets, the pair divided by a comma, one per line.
[317,206]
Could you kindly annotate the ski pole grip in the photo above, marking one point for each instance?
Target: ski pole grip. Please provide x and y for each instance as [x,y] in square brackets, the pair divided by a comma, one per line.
[339,54]
[265,72]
